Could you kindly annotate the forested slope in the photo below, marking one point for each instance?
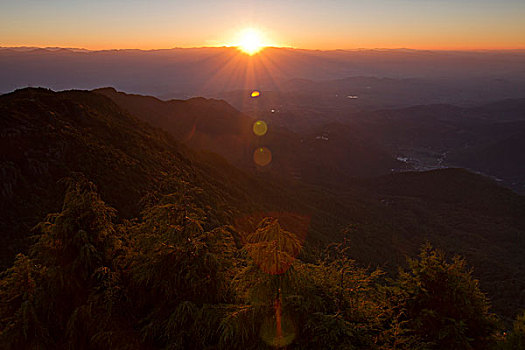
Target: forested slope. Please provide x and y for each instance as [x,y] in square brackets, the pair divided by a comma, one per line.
[150,244]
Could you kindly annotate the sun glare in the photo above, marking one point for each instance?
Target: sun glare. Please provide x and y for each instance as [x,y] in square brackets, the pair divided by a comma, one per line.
[251,41]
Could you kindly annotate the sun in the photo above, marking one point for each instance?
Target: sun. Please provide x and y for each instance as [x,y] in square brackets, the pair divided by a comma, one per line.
[251,41]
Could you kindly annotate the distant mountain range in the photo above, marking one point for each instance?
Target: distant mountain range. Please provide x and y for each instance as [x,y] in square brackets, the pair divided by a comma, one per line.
[384,109]
[469,76]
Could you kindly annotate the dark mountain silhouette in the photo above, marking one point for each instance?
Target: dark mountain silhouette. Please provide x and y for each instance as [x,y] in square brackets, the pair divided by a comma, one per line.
[485,138]
[201,123]
[505,110]
[215,126]
[47,136]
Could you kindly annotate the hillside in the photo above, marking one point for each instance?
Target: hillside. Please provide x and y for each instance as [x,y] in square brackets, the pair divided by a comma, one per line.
[462,213]
[503,158]
[486,138]
[214,125]
[47,136]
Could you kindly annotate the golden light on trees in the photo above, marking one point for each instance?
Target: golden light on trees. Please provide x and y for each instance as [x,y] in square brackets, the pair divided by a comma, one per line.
[273,249]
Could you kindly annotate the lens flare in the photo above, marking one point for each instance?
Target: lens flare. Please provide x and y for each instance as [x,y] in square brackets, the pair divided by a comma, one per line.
[262,156]
[255,93]
[278,332]
[260,128]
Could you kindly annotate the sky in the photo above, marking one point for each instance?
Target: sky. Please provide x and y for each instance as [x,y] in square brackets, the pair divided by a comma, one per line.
[325,25]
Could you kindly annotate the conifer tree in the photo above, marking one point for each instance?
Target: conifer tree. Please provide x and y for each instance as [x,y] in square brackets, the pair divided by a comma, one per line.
[74,286]
[515,339]
[443,305]
[329,304]
[262,286]
[338,303]
[21,322]
[178,266]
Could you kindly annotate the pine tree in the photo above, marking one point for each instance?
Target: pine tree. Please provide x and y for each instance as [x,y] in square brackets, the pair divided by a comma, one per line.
[75,287]
[338,303]
[21,323]
[515,339]
[443,305]
[178,267]
[263,285]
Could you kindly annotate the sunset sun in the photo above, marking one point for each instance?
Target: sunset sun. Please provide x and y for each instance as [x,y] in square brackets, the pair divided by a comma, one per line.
[251,41]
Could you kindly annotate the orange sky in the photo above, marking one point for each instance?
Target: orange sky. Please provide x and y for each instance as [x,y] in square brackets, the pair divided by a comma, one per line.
[329,24]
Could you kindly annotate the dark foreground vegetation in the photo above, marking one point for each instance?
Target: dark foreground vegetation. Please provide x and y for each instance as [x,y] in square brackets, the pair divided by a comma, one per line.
[175,280]
[177,258]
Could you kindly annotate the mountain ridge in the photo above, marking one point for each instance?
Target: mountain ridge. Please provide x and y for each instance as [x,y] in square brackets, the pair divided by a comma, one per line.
[47,135]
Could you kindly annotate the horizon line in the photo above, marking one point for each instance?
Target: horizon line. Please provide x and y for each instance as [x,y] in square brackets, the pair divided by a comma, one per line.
[80,49]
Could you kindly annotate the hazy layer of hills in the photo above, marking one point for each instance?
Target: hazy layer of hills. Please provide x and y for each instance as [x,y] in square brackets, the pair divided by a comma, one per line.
[47,135]
[485,138]
[369,94]
[301,104]
[214,125]
[426,76]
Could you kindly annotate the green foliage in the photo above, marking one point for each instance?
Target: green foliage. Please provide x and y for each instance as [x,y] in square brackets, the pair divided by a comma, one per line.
[20,322]
[515,339]
[81,237]
[134,165]
[332,302]
[73,294]
[337,302]
[443,305]
[272,248]
[175,279]
[178,263]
